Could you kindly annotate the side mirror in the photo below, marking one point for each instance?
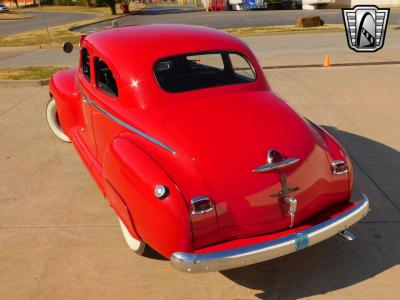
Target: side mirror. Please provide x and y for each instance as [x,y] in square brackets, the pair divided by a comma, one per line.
[68,47]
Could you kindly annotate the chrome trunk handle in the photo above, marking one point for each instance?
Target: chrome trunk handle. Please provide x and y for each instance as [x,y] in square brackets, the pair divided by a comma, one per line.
[268,167]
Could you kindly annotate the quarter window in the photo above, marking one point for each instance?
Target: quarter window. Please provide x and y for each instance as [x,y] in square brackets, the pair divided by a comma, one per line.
[241,67]
[85,64]
[105,80]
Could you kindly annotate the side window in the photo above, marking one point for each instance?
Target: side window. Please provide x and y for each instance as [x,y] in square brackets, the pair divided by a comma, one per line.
[242,67]
[85,63]
[105,80]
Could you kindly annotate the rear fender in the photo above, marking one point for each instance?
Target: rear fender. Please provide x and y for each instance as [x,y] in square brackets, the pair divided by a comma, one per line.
[131,175]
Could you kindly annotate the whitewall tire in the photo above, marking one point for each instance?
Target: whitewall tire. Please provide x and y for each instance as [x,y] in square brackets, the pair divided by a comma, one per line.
[54,122]
[135,245]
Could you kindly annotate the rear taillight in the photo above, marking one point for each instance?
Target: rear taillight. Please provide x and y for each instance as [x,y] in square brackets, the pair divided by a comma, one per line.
[339,167]
[201,205]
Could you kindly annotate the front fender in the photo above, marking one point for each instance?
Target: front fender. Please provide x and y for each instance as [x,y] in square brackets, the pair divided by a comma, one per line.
[63,88]
[131,175]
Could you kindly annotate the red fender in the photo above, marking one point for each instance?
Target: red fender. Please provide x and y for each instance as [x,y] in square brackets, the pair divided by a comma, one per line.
[62,86]
[131,176]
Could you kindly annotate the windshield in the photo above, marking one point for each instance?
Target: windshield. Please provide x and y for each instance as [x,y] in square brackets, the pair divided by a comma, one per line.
[189,72]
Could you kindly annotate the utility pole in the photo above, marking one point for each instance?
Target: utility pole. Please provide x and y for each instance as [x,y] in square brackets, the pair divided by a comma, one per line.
[44,22]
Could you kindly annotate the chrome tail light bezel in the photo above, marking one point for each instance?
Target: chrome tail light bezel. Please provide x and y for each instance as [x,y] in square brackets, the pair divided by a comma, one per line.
[201,205]
[340,167]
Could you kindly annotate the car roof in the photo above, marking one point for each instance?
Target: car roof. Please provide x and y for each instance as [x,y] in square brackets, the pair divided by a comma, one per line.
[133,47]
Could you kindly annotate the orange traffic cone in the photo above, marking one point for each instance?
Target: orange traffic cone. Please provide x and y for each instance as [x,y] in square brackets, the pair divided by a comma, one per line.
[327,62]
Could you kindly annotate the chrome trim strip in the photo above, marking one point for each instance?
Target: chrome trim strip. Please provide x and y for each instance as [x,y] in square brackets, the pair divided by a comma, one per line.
[247,255]
[268,167]
[85,99]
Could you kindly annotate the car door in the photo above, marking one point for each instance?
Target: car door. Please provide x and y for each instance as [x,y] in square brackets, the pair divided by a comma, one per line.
[85,86]
[106,102]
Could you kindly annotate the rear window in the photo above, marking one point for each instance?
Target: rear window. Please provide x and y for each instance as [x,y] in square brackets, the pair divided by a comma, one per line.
[182,73]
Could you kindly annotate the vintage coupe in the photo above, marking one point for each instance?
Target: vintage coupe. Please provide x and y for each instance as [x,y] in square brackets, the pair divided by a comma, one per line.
[197,156]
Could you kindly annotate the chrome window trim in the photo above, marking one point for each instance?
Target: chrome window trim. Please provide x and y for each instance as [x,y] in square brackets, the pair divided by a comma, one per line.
[144,135]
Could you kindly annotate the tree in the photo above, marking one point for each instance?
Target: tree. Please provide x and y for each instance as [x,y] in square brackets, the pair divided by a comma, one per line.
[111,4]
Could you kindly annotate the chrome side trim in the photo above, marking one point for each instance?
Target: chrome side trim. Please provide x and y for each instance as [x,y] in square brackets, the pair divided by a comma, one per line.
[247,255]
[144,135]
[268,167]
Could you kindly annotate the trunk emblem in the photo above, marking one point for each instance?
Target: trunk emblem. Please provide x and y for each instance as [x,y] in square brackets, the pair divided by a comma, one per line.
[290,203]
[285,189]
[276,162]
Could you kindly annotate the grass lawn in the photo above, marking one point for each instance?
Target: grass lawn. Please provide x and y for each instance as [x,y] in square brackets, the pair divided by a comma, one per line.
[59,34]
[28,73]
[282,29]
[101,11]
[14,16]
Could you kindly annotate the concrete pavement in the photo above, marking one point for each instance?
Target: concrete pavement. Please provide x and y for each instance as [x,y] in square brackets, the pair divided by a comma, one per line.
[60,240]
[272,50]
[51,18]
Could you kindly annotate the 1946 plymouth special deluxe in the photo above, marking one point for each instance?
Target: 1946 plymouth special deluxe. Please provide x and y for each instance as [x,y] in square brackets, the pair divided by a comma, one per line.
[197,156]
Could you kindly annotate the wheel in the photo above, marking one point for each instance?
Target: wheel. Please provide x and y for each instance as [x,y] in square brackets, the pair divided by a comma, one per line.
[135,245]
[54,122]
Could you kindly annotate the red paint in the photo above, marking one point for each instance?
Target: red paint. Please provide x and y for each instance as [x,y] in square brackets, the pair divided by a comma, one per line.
[219,136]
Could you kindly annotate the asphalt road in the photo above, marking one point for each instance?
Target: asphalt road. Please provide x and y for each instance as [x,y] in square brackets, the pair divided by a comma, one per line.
[229,19]
[51,18]
[59,239]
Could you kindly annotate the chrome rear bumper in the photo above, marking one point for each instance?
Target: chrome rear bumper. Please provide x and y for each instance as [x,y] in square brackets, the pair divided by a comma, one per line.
[247,255]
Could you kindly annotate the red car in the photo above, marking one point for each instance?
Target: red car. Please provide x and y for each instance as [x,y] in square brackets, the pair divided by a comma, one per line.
[197,156]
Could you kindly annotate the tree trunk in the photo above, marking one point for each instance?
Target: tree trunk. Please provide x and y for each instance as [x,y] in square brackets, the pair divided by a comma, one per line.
[113,9]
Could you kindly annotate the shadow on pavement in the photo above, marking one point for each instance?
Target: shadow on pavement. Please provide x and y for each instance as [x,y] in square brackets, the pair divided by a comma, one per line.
[335,263]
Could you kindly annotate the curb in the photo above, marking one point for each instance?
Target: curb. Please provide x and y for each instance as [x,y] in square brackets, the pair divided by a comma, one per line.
[24,83]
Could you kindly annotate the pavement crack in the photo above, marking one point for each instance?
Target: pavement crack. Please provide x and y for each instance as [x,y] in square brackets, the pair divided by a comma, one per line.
[17,104]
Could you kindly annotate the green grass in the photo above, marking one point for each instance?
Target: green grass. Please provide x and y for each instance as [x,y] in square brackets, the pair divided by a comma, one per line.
[14,16]
[58,34]
[281,29]
[28,73]
[102,11]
